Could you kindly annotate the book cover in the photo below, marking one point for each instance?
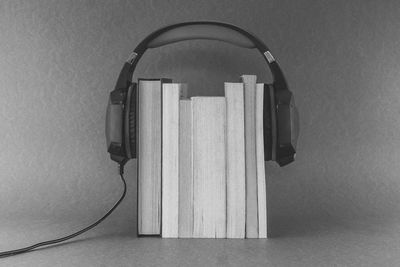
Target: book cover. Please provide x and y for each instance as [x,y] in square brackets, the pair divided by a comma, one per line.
[149,156]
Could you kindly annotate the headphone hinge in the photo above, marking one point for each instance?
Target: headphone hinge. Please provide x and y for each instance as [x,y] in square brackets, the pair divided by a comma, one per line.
[118,96]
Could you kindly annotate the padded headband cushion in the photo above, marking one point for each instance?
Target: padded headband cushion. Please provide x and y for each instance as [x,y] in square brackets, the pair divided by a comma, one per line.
[132,121]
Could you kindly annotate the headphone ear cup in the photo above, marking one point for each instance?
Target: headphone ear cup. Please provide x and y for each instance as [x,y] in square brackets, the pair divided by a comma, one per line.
[130,121]
[269,122]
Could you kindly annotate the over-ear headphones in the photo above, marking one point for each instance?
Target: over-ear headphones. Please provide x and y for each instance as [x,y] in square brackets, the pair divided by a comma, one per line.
[280,116]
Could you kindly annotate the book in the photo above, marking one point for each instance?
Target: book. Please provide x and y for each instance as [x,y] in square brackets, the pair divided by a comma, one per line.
[149,156]
[249,82]
[261,182]
[185,224]
[171,93]
[235,164]
[209,170]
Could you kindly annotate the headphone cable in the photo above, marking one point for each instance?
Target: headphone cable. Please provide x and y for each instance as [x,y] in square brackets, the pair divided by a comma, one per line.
[62,239]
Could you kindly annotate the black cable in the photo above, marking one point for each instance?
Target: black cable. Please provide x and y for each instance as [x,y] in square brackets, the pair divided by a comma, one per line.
[62,239]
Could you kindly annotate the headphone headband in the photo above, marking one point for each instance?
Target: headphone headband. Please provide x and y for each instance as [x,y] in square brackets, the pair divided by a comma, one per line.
[210,30]
[279,112]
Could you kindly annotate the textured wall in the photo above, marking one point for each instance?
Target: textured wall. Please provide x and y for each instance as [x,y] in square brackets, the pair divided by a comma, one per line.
[60,59]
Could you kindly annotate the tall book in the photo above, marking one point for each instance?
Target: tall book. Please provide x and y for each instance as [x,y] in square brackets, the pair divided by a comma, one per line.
[235,164]
[261,182]
[209,170]
[185,224]
[149,156]
[171,93]
[249,82]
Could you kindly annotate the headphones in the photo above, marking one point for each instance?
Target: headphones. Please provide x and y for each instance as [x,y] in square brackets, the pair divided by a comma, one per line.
[280,115]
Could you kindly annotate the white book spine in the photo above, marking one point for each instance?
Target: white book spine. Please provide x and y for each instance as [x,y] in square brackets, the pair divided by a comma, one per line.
[250,141]
[170,159]
[235,153]
[261,182]
[209,167]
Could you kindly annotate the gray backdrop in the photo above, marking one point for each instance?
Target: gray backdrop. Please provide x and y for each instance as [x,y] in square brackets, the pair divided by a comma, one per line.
[60,59]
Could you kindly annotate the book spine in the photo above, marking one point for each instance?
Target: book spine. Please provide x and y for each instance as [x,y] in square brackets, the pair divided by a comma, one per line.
[261,182]
[170,159]
[250,154]
[235,153]
[209,167]
[185,169]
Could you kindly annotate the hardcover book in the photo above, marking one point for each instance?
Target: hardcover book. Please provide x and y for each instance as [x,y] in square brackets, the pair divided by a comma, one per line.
[149,156]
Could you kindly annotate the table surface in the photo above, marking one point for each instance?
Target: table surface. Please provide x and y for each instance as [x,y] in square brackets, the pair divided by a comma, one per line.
[301,242]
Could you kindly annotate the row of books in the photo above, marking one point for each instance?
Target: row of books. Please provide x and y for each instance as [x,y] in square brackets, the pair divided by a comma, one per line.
[201,161]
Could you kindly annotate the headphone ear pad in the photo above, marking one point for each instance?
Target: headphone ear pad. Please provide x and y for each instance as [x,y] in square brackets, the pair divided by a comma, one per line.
[130,121]
[269,122]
